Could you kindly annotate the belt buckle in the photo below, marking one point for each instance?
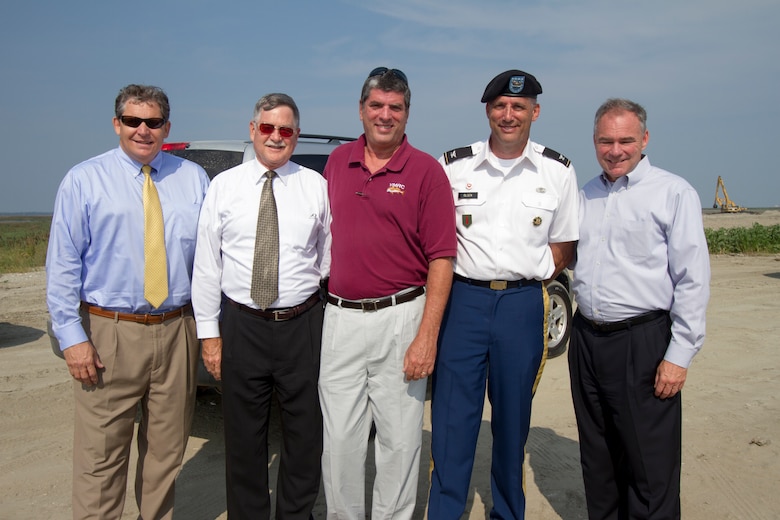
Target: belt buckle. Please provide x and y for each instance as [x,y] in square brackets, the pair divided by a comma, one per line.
[498,285]
[370,305]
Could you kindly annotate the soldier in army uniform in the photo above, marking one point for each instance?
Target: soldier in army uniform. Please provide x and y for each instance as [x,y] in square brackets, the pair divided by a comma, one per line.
[516,216]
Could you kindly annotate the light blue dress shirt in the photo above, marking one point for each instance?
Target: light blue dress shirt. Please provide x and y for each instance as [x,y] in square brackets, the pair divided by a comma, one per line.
[642,248]
[96,244]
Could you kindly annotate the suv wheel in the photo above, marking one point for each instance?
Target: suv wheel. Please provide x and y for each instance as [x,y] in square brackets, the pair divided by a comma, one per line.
[558,320]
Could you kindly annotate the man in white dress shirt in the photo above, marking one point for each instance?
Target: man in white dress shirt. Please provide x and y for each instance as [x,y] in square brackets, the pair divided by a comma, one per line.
[642,284]
[258,351]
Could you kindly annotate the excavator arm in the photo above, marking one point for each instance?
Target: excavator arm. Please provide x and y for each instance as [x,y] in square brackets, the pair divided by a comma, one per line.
[725,204]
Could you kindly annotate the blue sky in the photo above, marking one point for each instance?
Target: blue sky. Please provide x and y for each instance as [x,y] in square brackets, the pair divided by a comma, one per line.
[707,71]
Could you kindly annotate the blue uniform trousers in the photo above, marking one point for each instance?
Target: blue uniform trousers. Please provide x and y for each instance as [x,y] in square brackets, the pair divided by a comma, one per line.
[494,338]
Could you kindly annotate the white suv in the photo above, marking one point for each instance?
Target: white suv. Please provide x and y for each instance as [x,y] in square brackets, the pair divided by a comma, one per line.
[311,151]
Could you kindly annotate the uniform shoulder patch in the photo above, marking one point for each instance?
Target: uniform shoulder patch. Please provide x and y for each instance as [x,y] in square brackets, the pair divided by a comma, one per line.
[552,154]
[458,153]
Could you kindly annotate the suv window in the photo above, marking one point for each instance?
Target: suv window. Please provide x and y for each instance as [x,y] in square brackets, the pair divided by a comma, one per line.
[315,162]
[311,151]
[213,161]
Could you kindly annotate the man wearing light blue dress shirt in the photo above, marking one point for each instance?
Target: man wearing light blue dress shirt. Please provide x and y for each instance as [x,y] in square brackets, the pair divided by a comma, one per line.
[642,284]
[122,350]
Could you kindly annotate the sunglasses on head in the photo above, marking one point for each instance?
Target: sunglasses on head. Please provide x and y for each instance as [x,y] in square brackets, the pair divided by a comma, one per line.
[268,129]
[134,122]
[381,71]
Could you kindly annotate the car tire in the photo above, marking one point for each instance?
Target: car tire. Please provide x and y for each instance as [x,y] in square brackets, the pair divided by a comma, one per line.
[558,320]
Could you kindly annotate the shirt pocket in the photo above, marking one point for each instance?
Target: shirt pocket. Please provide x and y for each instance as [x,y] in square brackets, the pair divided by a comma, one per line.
[301,231]
[634,239]
[539,201]
[465,204]
[467,210]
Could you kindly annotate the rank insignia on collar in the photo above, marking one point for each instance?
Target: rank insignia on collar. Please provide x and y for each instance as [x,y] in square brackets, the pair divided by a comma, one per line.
[537,221]
[466,220]
[457,153]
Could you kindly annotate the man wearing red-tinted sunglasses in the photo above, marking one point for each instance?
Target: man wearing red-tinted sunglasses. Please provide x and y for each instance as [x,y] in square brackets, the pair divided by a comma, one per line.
[265,343]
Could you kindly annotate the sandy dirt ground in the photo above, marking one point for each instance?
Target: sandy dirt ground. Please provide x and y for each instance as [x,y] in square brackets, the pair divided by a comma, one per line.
[731,435]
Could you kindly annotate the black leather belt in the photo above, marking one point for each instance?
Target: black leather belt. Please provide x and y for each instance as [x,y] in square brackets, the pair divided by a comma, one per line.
[278,314]
[374,304]
[614,326]
[146,319]
[496,285]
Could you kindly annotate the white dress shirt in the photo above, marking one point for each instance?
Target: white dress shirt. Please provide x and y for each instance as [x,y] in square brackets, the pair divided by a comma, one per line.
[226,239]
[642,248]
[508,214]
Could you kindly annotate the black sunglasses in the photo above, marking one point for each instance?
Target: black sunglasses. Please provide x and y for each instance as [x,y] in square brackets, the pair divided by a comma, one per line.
[381,71]
[134,122]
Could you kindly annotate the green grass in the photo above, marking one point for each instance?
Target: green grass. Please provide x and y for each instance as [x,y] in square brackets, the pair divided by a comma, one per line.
[753,240]
[23,242]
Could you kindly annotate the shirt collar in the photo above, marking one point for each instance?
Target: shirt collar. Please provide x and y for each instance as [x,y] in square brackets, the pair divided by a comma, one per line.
[630,179]
[282,173]
[529,153]
[135,167]
[394,165]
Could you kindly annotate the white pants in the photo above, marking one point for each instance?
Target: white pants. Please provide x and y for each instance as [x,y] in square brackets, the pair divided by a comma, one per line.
[362,381]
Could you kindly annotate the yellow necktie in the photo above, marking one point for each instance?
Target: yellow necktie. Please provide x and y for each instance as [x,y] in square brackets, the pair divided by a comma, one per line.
[155,264]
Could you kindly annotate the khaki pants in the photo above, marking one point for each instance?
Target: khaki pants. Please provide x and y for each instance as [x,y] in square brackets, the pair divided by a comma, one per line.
[362,382]
[151,365]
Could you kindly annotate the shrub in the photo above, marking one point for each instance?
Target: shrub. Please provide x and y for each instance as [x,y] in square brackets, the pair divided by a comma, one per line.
[757,240]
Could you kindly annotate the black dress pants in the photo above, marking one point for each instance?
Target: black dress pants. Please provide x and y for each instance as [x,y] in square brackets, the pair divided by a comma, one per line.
[630,440]
[258,358]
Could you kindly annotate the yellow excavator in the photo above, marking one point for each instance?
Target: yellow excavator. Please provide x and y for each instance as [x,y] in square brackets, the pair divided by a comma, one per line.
[725,204]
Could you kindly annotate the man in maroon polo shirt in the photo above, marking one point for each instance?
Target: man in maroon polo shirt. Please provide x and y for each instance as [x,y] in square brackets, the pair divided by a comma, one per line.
[393,233]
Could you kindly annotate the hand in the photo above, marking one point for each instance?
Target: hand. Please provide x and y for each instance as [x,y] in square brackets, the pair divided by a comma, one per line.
[419,359]
[83,362]
[421,354]
[669,379]
[211,351]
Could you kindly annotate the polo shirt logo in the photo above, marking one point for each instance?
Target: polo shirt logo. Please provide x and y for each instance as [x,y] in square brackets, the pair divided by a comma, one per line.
[396,188]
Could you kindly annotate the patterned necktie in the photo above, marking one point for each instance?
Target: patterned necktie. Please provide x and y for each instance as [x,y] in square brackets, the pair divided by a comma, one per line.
[265,270]
[155,264]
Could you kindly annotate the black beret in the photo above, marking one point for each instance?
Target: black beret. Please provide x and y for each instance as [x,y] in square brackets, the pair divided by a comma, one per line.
[515,83]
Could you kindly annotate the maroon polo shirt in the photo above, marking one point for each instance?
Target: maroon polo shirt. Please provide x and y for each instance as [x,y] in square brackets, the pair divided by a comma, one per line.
[388,226]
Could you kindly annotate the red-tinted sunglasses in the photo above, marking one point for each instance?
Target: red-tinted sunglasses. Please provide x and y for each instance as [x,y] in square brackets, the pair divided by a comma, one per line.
[268,129]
